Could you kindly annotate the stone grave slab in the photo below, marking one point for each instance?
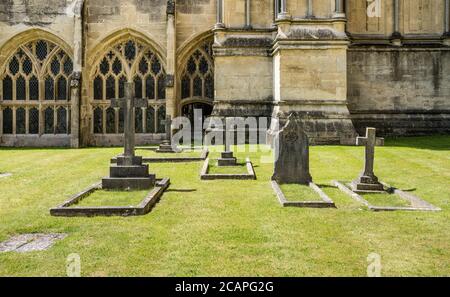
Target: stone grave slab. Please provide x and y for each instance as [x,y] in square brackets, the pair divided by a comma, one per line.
[201,157]
[128,172]
[250,175]
[417,204]
[31,242]
[67,209]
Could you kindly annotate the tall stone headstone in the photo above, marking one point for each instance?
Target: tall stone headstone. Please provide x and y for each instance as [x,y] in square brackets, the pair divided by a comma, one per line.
[292,154]
[129,172]
[368,181]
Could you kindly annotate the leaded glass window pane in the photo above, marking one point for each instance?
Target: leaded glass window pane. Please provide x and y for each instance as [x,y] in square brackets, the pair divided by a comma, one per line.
[203,66]
[130,50]
[62,88]
[143,66]
[68,67]
[122,81]
[14,66]
[98,88]
[49,88]
[27,66]
[7,121]
[104,66]
[20,88]
[138,87]
[110,120]
[98,120]
[117,66]
[61,121]
[161,120]
[150,120]
[162,87]
[121,120]
[197,87]
[41,50]
[33,121]
[185,87]
[34,88]
[55,66]
[7,88]
[156,66]
[110,88]
[48,121]
[191,67]
[20,121]
[138,121]
[150,87]
[209,87]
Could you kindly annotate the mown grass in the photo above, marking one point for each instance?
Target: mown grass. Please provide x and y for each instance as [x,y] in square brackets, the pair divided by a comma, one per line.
[227,228]
[385,199]
[293,192]
[113,198]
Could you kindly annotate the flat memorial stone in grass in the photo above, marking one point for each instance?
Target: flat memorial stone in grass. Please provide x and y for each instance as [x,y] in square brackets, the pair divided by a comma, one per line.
[30,242]
[292,154]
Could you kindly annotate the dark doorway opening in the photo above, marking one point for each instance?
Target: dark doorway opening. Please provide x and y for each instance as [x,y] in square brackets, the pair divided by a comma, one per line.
[197,112]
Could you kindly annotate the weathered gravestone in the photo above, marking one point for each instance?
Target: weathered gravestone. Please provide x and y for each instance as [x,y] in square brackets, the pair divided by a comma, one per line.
[292,154]
[129,172]
[167,146]
[368,181]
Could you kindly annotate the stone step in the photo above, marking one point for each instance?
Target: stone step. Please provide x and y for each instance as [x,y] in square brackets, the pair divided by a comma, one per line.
[227,155]
[227,162]
[128,171]
[131,183]
[135,160]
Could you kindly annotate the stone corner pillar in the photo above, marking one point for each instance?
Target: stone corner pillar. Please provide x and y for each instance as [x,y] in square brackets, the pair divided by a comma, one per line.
[171,59]
[75,97]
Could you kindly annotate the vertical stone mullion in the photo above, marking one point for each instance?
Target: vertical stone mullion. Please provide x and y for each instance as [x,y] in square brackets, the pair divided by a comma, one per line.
[55,119]
[144,119]
[14,120]
[396,36]
[310,12]
[447,18]
[27,120]
[116,119]
[104,120]
[219,14]
[247,14]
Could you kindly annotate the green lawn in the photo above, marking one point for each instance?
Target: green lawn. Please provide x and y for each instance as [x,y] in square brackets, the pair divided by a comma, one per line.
[229,228]
[293,192]
[113,198]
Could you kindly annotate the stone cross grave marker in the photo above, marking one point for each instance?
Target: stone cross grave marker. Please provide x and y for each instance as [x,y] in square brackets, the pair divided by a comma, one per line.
[292,154]
[368,181]
[129,103]
[227,158]
[129,173]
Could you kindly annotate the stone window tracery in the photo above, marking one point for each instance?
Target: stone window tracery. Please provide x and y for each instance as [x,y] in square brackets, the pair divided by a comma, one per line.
[128,60]
[197,78]
[34,82]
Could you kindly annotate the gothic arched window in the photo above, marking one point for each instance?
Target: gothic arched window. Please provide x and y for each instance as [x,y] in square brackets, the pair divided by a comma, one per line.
[35,81]
[197,78]
[128,60]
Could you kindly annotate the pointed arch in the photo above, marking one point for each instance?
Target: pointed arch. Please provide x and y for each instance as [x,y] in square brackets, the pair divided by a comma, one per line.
[120,35]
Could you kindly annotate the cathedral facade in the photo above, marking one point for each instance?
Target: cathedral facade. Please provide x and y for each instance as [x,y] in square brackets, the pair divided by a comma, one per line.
[339,65]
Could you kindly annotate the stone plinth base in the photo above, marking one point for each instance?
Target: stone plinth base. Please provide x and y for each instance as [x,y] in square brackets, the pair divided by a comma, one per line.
[167,148]
[131,183]
[123,176]
[366,184]
[227,159]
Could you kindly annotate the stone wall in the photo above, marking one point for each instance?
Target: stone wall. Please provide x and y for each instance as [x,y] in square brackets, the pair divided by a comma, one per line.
[400,90]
